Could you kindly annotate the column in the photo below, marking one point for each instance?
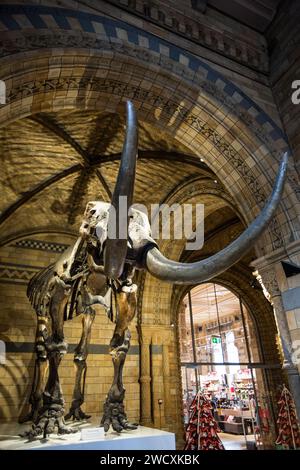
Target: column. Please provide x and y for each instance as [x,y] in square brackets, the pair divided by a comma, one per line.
[145,381]
[269,281]
[166,381]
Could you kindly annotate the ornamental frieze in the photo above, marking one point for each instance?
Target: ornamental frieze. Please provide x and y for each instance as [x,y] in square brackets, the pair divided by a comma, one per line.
[21,42]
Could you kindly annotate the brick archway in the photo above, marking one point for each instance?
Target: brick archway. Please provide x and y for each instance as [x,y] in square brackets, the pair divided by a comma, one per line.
[104,80]
[264,328]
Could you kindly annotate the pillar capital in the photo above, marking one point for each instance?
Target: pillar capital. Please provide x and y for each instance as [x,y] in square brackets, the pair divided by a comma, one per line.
[268,281]
[291,251]
[156,334]
[145,379]
[268,277]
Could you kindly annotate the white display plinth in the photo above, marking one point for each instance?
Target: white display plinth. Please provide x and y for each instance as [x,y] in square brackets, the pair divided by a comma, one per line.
[140,439]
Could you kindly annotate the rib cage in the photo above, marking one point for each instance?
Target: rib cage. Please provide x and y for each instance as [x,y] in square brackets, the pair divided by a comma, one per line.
[40,297]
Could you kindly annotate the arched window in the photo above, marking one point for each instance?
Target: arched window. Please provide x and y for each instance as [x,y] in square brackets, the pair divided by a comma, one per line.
[220,355]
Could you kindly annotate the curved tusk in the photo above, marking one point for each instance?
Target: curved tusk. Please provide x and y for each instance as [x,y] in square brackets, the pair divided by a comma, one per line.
[116,248]
[204,270]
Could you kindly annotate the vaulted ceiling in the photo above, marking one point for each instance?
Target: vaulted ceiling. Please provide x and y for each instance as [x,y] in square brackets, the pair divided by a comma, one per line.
[54,163]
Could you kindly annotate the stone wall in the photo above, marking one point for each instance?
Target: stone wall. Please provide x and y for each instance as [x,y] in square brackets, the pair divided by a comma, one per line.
[233,49]
[19,261]
[279,273]
[291,301]
[284,49]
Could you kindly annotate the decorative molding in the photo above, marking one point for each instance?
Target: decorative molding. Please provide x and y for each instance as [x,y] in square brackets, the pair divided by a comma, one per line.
[265,263]
[194,29]
[40,231]
[11,273]
[267,279]
[269,284]
[224,94]
[274,229]
[127,39]
[197,30]
[197,186]
[294,179]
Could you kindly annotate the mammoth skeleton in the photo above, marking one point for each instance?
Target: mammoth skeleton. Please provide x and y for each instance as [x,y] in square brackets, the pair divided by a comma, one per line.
[98,268]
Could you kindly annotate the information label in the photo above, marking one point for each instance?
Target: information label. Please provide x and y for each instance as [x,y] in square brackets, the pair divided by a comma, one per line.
[92,434]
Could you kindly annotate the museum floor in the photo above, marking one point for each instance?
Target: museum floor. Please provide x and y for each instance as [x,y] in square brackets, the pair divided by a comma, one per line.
[235,442]
[89,436]
[9,439]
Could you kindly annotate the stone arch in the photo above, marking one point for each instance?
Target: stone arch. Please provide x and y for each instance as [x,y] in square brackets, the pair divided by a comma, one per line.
[264,326]
[259,308]
[23,234]
[159,311]
[50,88]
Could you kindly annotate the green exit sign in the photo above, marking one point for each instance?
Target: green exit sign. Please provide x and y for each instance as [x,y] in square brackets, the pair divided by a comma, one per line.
[215,339]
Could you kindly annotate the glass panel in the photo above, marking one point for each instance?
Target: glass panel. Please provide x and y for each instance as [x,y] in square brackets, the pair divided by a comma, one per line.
[251,335]
[263,412]
[189,388]
[232,396]
[207,333]
[237,393]
[218,327]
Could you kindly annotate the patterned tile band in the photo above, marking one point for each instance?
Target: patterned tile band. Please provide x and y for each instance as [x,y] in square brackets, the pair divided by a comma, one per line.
[11,273]
[41,245]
